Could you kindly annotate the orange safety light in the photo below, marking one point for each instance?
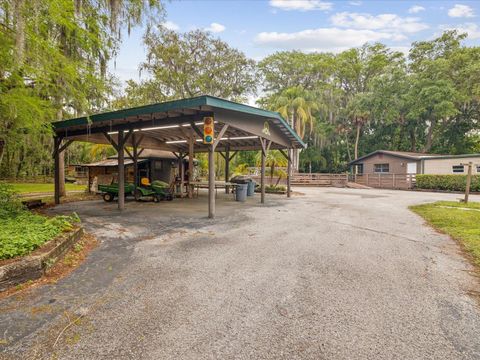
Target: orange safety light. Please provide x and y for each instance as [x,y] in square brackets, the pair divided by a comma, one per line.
[208,130]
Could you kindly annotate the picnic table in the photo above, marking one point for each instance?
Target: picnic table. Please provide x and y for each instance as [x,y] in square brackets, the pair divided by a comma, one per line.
[218,185]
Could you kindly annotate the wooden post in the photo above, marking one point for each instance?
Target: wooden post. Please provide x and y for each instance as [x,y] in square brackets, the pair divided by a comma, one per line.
[56,155]
[182,173]
[135,164]
[393,181]
[289,173]
[211,182]
[191,141]
[227,167]
[469,181]
[121,171]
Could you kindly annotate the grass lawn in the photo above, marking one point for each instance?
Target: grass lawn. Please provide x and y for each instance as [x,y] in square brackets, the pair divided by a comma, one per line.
[460,221]
[23,188]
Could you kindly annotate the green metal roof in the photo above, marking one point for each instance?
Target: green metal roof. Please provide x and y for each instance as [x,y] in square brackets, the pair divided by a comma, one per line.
[204,100]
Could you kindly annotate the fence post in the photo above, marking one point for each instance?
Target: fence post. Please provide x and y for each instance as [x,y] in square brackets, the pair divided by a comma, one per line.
[393,181]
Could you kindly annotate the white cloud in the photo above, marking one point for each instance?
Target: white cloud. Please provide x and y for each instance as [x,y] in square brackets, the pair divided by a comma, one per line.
[416,9]
[355,3]
[303,5]
[472,29]
[215,28]
[461,11]
[384,22]
[170,25]
[322,39]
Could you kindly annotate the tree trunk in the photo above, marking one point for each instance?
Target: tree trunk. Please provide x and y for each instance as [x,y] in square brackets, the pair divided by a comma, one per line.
[413,141]
[2,148]
[429,140]
[357,138]
[19,31]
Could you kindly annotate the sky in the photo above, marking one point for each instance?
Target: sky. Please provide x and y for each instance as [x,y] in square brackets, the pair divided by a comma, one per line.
[259,28]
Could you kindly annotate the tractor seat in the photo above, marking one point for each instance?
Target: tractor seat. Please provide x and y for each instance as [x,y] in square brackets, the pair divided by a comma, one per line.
[145,182]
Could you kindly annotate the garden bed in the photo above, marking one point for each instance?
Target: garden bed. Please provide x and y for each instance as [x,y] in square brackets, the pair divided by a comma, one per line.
[20,269]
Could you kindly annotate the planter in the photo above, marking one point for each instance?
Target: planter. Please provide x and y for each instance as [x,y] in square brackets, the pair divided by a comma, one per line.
[31,267]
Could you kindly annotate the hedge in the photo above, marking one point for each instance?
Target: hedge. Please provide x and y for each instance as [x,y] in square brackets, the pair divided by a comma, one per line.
[447,182]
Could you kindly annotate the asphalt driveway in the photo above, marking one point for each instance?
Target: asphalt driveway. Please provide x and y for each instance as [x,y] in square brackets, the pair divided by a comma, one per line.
[332,274]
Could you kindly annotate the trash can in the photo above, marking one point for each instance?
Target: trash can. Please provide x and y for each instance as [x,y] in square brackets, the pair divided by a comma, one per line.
[251,188]
[241,192]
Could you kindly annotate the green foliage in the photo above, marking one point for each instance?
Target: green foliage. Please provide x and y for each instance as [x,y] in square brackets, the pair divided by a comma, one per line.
[10,205]
[53,60]
[447,182]
[275,188]
[372,98]
[189,64]
[22,231]
[458,220]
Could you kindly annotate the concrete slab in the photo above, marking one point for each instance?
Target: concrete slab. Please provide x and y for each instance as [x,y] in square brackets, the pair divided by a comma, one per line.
[336,274]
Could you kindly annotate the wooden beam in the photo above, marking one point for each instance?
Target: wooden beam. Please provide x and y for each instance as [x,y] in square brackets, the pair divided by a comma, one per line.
[196,129]
[285,154]
[233,155]
[220,135]
[111,141]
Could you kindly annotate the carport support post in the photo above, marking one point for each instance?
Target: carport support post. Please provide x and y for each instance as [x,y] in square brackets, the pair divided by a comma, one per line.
[211,182]
[289,173]
[121,171]
[56,155]
[191,140]
[227,167]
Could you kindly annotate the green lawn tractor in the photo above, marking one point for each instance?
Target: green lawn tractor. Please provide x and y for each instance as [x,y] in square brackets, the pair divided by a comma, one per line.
[110,192]
[156,191]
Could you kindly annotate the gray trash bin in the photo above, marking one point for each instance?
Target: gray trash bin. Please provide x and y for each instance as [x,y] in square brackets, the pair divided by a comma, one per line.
[241,192]
[251,188]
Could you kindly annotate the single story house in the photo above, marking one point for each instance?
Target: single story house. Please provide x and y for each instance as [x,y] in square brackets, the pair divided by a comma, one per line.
[401,162]
[152,164]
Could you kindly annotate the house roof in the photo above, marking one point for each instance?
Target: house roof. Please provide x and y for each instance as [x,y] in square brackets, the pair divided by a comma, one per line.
[111,163]
[165,126]
[413,155]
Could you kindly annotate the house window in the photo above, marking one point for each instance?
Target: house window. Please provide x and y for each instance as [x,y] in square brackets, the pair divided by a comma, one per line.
[381,168]
[478,169]
[458,168]
[359,168]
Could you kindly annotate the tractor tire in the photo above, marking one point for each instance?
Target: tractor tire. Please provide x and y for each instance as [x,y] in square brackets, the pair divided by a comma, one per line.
[137,195]
[108,197]
[156,198]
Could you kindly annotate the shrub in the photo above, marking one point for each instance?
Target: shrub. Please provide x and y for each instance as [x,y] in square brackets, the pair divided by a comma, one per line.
[10,204]
[447,182]
[275,188]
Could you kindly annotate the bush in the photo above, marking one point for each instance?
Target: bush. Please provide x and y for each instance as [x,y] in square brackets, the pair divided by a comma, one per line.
[10,204]
[447,182]
[275,188]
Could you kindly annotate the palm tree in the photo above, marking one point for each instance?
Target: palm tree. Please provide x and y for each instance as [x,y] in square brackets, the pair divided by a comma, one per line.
[297,105]
[273,160]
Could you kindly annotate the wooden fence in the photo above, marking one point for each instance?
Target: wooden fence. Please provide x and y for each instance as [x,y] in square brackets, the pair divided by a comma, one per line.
[386,181]
[319,179]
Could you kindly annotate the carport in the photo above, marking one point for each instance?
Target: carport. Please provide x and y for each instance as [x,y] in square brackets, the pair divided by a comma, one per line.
[177,126]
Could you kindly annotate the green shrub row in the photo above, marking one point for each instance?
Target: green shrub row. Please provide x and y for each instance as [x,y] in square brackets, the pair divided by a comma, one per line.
[447,182]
